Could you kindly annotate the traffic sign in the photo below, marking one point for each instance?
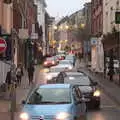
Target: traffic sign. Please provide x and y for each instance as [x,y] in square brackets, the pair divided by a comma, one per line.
[3,45]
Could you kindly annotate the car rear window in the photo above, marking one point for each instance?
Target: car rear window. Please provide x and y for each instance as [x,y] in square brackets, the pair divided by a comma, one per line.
[56,69]
[51,58]
[81,80]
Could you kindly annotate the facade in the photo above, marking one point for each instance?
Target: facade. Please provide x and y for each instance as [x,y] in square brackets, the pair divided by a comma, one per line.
[41,20]
[14,16]
[109,8]
[97,53]
[49,32]
[6,19]
[88,31]
[6,24]
[111,32]
[62,33]
[77,22]
[97,17]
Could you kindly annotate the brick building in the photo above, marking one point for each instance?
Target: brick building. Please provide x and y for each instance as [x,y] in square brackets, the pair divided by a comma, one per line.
[97,17]
[97,52]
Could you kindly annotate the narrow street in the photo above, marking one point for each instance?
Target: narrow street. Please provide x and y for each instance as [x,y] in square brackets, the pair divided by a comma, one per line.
[109,109]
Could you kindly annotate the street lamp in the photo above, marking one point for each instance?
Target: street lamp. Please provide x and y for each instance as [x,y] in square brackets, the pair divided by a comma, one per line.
[66,27]
[61,27]
[66,41]
[82,25]
[55,27]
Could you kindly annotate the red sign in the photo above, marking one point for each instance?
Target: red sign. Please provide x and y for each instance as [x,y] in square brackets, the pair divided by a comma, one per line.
[3,45]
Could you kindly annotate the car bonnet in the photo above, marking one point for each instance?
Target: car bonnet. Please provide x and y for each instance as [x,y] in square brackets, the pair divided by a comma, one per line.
[35,110]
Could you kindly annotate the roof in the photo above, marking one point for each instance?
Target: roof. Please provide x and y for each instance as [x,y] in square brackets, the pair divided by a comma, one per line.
[55,86]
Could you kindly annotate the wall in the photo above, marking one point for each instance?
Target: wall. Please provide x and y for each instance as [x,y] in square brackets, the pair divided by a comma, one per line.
[109,8]
[1,12]
[97,17]
[6,21]
[41,20]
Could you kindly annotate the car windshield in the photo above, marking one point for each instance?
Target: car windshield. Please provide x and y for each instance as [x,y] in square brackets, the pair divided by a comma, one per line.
[81,80]
[50,96]
[64,62]
[56,69]
[74,74]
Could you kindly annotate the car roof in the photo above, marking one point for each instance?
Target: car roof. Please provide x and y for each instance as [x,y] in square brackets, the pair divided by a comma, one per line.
[58,66]
[55,86]
[65,60]
[74,73]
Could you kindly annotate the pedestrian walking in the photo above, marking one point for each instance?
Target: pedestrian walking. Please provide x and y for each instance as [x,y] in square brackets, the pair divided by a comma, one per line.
[79,57]
[8,80]
[110,74]
[31,73]
[19,74]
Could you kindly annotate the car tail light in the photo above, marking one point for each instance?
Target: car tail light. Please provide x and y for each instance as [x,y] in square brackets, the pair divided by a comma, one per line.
[53,62]
[45,63]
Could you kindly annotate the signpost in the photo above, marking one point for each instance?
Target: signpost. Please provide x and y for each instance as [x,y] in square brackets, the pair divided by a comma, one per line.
[3,45]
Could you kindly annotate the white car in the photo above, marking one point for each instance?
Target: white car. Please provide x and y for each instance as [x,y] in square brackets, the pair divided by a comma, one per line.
[54,71]
[67,64]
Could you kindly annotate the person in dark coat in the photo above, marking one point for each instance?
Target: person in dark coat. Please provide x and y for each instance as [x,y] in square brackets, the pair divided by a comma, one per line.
[31,73]
[8,80]
[111,73]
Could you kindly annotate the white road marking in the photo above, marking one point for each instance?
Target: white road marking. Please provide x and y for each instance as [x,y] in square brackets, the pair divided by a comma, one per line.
[109,106]
[2,45]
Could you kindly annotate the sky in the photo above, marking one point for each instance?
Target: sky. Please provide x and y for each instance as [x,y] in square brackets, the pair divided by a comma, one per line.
[60,8]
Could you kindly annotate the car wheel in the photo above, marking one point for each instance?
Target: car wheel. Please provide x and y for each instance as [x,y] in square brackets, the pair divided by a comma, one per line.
[97,105]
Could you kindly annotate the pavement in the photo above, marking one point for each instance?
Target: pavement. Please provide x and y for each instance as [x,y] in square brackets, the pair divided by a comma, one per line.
[21,94]
[110,88]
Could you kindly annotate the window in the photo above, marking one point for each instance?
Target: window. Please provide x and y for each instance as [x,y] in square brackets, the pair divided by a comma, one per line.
[50,96]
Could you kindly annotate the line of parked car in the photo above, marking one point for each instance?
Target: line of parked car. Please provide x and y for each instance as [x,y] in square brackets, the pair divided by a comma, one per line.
[67,95]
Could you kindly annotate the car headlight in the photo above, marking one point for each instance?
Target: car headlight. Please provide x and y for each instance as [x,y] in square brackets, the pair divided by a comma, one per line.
[49,77]
[96,93]
[24,116]
[70,67]
[62,116]
[46,70]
